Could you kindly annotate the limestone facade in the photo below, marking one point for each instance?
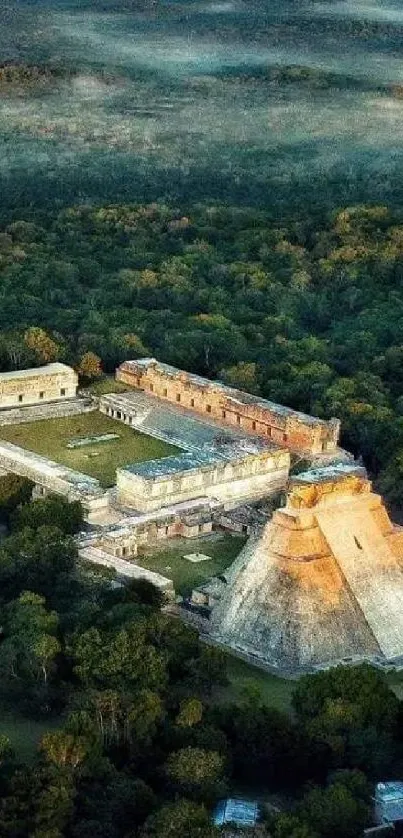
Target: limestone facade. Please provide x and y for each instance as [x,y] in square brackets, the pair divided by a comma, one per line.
[229,477]
[323,583]
[297,431]
[53,382]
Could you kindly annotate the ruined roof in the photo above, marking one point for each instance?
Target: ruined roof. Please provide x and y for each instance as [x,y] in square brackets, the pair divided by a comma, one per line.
[196,460]
[167,466]
[389,802]
[34,372]
[236,396]
[233,810]
[329,474]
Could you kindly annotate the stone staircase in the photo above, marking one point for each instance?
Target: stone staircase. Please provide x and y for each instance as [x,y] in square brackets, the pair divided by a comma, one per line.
[371,572]
[173,425]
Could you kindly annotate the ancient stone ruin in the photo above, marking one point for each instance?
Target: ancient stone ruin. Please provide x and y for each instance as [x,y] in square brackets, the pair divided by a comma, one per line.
[319,581]
[322,583]
[286,427]
[38,385]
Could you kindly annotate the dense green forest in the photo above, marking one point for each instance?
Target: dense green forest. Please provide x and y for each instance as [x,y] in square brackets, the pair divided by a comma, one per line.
[308,313]
[269,136]
[139,744]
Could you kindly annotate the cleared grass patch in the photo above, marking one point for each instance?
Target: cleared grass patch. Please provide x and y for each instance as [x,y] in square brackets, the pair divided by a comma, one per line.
[168,559]
[107,384]
[49,437]
[246,680]
[395,681]
[25,734]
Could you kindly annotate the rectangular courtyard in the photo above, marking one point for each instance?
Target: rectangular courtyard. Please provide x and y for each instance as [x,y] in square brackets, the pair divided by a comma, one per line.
[168,559]
[52,437]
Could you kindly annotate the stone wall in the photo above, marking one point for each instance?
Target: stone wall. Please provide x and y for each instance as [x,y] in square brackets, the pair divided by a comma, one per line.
[128,570]
[54,477]
[37,385]
[50,410]
[299,432]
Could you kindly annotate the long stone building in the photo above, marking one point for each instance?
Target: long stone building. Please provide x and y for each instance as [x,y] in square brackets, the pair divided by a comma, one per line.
[231,475]
[39,385]
[288,428]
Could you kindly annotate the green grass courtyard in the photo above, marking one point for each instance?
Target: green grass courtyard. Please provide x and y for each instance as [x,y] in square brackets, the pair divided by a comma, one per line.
[50,437]
[168,559]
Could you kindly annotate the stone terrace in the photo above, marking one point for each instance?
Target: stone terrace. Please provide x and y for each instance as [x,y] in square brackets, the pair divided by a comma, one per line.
[301,433]
[173,424]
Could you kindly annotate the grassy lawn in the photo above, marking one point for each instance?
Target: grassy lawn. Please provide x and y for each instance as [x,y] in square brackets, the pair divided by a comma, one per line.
[50,437]
[395,681]
[24,734]
[245,679]
[168,559]
[107,384]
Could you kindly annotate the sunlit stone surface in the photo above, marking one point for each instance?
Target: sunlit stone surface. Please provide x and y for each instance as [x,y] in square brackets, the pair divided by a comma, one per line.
[322,583]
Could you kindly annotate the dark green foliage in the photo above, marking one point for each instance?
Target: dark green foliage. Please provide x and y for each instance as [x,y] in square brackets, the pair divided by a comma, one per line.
[181,819]
[36,561]
[268,748]
[196,773]
[364,687]
[14,491]
[342,809]
[355,714]
[308,313]
[64,514]
[141,590]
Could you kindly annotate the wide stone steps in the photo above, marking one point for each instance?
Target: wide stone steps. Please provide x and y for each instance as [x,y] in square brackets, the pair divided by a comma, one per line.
[172,425]
[371,572]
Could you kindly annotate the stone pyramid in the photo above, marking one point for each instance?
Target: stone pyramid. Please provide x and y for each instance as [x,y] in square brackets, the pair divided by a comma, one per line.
[322,583]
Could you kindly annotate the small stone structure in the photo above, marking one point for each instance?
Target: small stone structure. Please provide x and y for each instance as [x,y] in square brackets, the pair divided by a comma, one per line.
[297,431]
[50,383]
[123,539]
[322,583]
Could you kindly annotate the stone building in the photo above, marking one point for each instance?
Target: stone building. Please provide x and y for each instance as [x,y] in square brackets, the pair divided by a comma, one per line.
[323,582]
[228,476]
[53,382]
[297,431]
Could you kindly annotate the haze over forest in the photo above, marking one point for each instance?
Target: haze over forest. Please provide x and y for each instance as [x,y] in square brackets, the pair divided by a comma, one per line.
[218,184]
[186,101]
